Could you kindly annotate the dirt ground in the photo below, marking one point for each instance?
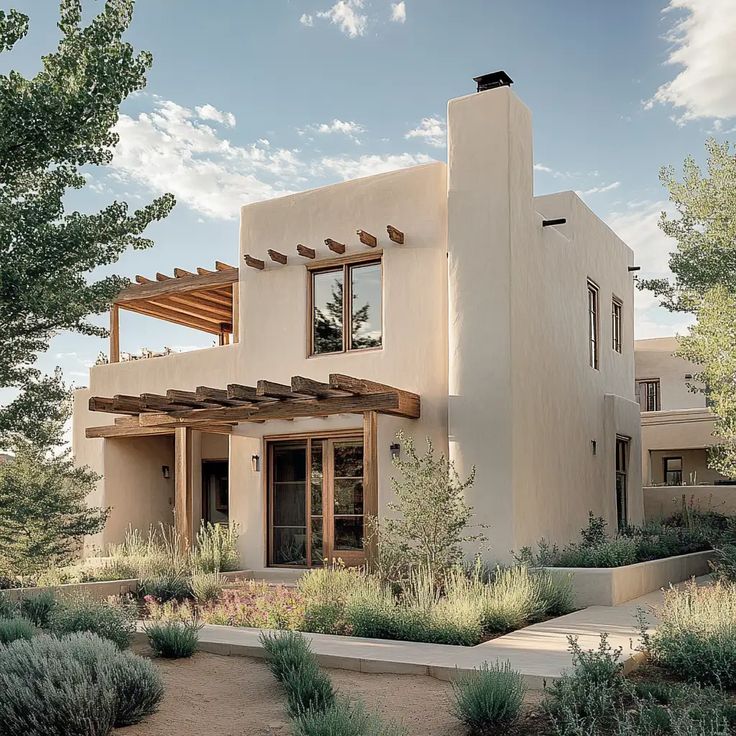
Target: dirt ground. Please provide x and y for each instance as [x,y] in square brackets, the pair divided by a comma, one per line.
[212,695]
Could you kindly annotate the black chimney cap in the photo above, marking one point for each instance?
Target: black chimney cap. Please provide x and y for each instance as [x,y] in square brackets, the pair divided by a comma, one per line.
[493,80]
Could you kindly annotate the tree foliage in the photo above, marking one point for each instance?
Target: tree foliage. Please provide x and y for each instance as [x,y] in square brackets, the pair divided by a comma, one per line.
[433,518]
[704,269]
[51,126]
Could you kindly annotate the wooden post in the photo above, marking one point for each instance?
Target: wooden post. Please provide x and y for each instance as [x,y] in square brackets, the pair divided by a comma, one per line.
[236,312]
[370,471]
[183,483]
[114,333]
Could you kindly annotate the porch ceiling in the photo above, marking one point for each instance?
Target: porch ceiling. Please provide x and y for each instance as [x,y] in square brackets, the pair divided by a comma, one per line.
[202,300]
[214,407]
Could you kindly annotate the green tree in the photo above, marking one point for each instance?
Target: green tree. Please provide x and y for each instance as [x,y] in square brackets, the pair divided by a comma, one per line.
[704,282]
[51,126]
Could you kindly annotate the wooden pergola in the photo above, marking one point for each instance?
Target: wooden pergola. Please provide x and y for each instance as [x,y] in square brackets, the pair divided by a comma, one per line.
[205,301]
[208,409]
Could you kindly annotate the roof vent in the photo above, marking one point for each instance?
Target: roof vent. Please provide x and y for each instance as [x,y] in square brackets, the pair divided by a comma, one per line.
[493,80]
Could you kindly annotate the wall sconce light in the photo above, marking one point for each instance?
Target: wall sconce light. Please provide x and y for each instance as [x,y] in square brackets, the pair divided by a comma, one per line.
[255,463]
[594,447]
[165,471]
[395,450]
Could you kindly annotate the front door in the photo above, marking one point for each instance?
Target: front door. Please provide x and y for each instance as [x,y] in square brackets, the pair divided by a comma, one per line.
[315,501]
[215,491]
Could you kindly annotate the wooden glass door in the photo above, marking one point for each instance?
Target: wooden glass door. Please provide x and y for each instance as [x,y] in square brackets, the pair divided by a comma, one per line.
[316,510]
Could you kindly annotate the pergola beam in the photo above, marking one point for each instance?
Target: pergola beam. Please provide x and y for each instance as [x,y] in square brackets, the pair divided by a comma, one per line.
[168,285]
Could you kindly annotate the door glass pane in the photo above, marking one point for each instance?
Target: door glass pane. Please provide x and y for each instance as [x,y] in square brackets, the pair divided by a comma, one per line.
[349,459]
[289,508]
[318,549]
[316,478]
[349,495]
[349,533]
[365,315]
[290,462]
[290,545]
[327,299]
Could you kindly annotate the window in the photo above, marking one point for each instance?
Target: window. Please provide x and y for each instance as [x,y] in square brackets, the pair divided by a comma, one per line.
[648,393]
[593,324]
[622,468]
[346,308]
[616,309]
[673,471]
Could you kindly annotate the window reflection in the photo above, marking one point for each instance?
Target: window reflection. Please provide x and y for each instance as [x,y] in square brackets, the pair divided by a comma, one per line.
[365,322]
[327,305]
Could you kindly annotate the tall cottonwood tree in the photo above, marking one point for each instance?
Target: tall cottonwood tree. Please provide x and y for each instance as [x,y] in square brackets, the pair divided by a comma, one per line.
[704,268]
[51,126]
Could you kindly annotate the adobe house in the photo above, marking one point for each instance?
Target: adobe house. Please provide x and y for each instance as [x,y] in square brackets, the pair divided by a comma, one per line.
[443,300]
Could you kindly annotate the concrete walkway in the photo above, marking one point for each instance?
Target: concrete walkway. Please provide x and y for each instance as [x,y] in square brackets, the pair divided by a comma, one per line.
[539,652]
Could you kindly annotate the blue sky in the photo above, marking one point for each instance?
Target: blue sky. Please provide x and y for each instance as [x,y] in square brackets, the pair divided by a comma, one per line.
[251,99]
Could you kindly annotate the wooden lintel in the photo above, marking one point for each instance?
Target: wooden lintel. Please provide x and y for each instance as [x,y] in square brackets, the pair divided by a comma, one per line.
[302,385]
[396,235]
[115,430]
[278,391]
[274,255]
[334,246]
[305,252]
[254,262]
[367,238]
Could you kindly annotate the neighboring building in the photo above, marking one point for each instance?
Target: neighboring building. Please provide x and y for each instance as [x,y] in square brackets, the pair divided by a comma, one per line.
[676,432]
[461,311]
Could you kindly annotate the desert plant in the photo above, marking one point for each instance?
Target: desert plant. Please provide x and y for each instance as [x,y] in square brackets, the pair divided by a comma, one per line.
[113,620]
[556,592]
[512,599]
[696,634]
[488,699]
[15,628]
[8,607]
[138,688]
[345,718]
[206,586]
[173,639]
[216,548]
[38,608]
[76,685]
[284,651]
[723,563]
[168,586]
[160,552]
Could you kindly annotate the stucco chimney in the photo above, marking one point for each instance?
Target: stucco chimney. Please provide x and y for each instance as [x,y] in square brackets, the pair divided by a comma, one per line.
[493,80]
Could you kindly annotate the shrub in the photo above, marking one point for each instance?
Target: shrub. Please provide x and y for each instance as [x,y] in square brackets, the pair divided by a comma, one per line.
[489,698]
[724,563]
[206,586]
[112,620]
[293,664]
[138,688]
[15,628]
[216,548]
[585,701]
[512,599]
[166,587]
[696,634]
[173,639]
[38,608]
[8,607]
[346,719]
[78,685]
[556,592]
[161,552]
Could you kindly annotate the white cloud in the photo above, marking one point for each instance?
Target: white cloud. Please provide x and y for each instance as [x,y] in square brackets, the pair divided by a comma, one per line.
[545,169]
[599,189]
[347,16]
[171,150]
[432,130]
[346,167]
[209,112]
[349,128]
[703,45]
[307,20]
[398,12]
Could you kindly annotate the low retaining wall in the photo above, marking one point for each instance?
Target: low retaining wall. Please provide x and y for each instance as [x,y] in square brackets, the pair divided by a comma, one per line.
[610,586]
[663,501]
[97,590]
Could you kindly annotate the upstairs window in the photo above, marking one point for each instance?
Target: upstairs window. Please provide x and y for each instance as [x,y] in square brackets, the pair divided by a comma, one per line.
[673,471]
[616,311]
[648,394]
[346,308]
[593,324]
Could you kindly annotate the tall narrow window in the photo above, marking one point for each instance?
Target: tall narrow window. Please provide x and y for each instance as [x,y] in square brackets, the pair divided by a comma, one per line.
[648,393]
[673,471]
[346,308]
[593,324]
[616,309]
[622,470]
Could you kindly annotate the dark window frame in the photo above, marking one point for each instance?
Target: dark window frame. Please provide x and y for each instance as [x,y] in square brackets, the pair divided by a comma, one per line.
[623,448]
[649,398]
[346,265]
[666,472]
[594,327]
[617,309]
